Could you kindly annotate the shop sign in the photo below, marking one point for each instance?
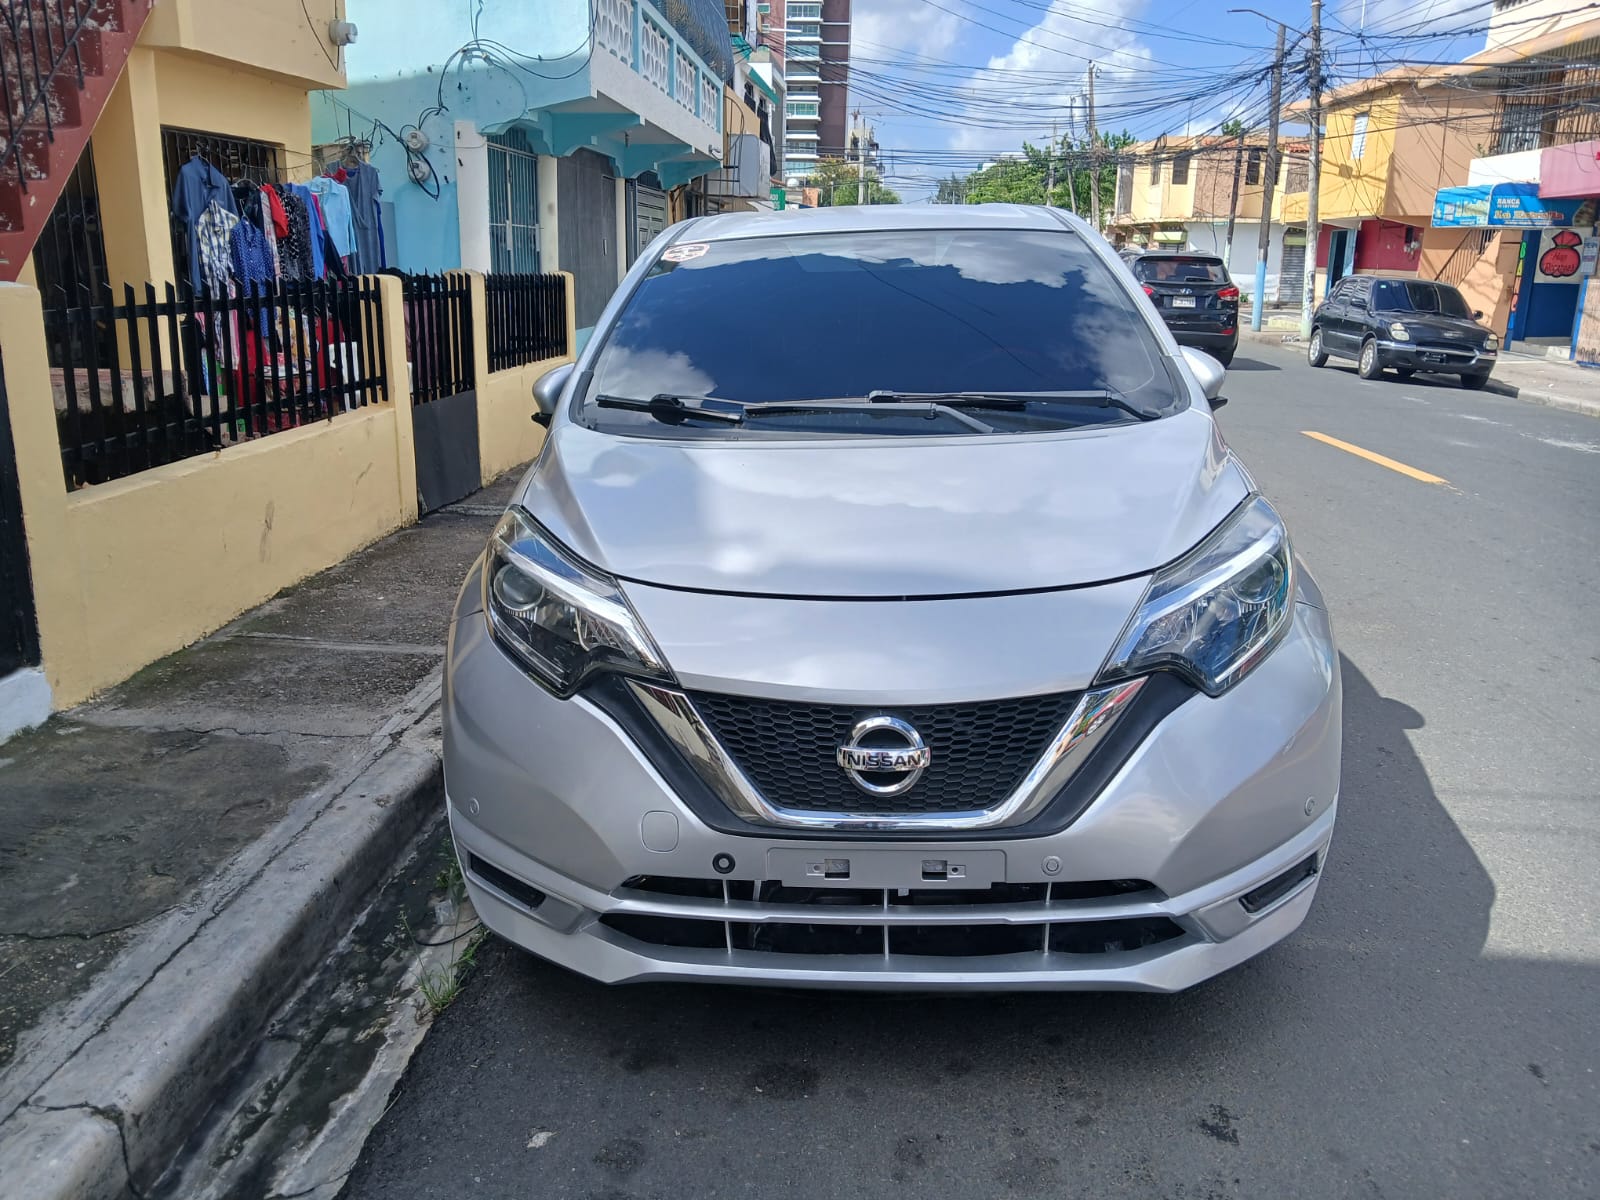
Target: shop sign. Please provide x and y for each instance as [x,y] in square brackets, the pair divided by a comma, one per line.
[1507,205]
[1566,255]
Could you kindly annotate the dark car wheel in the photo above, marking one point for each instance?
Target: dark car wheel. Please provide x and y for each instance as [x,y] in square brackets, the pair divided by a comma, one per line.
[1475,383]
[1404,372]
[1315,354]
[1225,357]
[1368,366]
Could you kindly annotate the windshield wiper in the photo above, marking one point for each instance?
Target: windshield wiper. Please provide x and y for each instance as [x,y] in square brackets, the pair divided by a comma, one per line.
[673,409]
[1094,398]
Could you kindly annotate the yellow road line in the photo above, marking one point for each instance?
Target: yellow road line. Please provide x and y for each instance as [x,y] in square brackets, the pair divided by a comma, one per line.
[1370,456]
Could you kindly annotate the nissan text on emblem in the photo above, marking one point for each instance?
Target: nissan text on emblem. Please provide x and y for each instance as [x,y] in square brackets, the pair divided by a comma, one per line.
[884,756]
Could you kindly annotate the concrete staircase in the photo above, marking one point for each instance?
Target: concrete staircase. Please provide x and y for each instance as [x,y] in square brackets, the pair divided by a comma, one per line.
[59,60]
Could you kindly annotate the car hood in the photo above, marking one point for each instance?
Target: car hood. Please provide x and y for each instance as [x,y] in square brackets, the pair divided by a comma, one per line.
[1435,327]
[881,518]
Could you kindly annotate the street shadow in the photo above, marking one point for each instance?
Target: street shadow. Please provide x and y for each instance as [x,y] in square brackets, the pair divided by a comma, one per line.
[1252,364]
[1377,1052]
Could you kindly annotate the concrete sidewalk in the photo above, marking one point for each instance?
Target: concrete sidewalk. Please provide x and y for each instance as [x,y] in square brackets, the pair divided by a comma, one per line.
[178,855]
[1551,382]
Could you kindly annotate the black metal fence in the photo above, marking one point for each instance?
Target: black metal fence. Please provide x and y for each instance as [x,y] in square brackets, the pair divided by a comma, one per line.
[527,319]
[438,335]
[170,377]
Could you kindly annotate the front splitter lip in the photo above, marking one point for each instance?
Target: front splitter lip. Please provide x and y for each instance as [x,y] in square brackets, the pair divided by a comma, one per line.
[1221,935]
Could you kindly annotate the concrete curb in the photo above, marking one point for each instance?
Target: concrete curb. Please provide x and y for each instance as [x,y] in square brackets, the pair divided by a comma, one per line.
[108,1121]
[1577,404]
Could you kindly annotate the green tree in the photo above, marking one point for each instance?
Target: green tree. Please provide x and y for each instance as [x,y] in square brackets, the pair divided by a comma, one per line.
[1024,178]
[838,183]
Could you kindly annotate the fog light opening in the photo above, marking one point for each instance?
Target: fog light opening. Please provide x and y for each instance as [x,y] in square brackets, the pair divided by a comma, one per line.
[1276,888]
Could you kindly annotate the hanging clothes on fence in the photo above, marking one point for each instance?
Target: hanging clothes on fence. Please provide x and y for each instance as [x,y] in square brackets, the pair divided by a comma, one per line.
[212,239]
[199,186]
[294,251]
[365,188]
[314,227]
[335,200]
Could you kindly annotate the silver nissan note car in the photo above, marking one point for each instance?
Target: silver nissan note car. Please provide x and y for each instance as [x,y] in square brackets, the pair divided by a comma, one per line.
[886,610]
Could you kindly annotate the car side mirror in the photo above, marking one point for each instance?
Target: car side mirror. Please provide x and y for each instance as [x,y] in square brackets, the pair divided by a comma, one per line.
[547,392]
[1208,372]
[1477,314]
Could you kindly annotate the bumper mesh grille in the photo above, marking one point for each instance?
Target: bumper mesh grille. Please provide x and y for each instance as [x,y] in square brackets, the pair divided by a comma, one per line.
[980,751]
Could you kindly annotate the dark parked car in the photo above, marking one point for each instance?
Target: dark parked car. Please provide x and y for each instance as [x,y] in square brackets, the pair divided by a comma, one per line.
[1407,325]
[1195,297]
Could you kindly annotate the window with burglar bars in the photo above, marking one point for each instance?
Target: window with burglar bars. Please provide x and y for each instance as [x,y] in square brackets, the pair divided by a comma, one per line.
[438,335]
[235,158]
[152,378]
[527,317]
[513,205]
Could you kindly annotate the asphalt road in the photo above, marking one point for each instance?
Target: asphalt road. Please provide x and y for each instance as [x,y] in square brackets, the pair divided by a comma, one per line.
[1433,1030]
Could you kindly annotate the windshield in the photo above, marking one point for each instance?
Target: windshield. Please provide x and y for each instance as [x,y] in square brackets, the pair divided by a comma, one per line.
[837,316]
[1179,268]
[1420,296]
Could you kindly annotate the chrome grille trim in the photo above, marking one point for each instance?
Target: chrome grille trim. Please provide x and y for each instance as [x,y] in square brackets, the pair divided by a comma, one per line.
[1096,712]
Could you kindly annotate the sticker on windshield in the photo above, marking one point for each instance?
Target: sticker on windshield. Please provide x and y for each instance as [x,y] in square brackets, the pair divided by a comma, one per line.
[685,252]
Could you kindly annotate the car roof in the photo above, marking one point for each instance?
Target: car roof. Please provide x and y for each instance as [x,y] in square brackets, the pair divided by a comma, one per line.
[863,218]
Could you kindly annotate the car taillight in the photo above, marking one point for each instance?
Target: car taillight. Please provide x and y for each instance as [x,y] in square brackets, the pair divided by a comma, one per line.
[1148,290]
[1228,293]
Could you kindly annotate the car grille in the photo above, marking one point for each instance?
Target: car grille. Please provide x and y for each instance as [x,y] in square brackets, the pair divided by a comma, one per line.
[889,921]
[980,751]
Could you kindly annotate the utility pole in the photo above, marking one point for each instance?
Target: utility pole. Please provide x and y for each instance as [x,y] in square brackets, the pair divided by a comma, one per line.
[1233,204]
[1268,183]
[1309,300]
[1094,160]
[1050,184]
[861,160]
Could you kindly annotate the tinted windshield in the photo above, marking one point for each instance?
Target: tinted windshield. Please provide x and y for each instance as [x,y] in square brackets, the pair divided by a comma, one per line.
[1412,295]
[839,315]
[1179,268]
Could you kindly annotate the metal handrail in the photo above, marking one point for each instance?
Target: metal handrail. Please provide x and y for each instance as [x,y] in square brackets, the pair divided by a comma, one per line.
[38,42]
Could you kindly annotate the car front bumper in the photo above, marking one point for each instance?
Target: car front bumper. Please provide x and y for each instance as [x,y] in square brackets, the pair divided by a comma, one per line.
[1409,356]
[562,824]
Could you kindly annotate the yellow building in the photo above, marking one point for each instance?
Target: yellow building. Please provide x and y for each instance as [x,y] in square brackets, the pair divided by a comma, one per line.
[1177,193]
[170,457]
[1389,144]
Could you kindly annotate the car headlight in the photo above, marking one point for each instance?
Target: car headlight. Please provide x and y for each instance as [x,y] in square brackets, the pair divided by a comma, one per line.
[1213,615]
[1399,332]
[562,619]
[1492,343]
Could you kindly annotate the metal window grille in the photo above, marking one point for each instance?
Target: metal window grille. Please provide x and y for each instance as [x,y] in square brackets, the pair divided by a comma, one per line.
[1252,168]
[180,375]
[527,319]
[1180,170]
[513,205]
[235,158]
[438,335]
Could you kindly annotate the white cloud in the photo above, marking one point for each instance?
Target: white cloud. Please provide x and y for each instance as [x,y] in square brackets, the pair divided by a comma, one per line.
[901,28]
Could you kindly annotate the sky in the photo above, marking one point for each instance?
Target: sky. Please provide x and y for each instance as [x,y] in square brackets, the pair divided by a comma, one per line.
[950,84]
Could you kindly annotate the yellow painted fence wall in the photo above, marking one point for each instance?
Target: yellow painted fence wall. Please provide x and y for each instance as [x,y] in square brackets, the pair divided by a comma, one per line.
[128,571]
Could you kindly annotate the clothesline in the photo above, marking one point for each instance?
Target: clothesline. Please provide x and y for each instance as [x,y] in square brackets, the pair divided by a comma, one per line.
[249,231]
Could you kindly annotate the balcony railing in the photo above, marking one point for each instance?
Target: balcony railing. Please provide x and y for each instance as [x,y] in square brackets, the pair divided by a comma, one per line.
[636,33]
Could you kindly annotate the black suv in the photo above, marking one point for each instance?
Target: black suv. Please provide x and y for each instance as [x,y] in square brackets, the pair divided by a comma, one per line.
[1408,325]
[1194,296]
